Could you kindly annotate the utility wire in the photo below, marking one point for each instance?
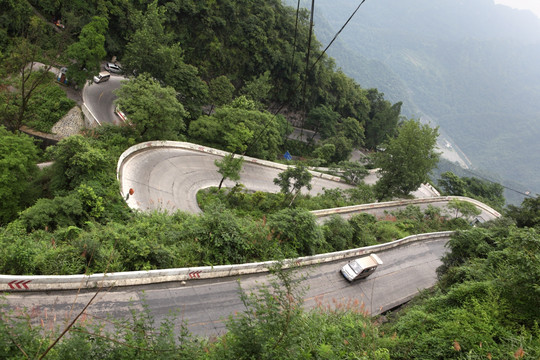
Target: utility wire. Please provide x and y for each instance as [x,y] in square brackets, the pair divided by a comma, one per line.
[495,182]
[307,62]
[337,34]
[307,58]
[295,35]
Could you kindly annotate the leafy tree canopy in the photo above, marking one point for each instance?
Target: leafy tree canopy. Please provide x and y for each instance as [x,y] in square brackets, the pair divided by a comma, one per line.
[18,157]
[407,159]
[88,51]
[488,192]
[153,109]
[241,129]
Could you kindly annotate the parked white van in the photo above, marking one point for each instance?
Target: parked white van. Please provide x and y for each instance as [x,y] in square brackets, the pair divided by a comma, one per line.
[102,76]
[361,268]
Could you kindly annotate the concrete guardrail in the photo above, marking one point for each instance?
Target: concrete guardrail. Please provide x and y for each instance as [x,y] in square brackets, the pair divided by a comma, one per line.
[130,278]
[403,203]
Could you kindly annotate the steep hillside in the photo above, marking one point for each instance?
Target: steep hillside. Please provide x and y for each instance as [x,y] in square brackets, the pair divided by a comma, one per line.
[470,66]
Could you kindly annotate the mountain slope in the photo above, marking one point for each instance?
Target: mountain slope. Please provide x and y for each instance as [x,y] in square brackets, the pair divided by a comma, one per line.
[470,66]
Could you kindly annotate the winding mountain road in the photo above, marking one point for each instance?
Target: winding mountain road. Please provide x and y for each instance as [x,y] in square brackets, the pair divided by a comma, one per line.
[167,176]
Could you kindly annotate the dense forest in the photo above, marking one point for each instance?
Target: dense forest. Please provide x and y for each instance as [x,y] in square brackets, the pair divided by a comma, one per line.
[229,75]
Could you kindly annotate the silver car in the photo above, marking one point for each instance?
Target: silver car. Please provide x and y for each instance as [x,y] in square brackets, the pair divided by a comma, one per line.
[114,68]
[361,268]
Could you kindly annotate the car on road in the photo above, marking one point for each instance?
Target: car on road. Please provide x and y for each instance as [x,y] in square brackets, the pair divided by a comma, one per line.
[102,76]
[361,268]
[114,68]
[121,115]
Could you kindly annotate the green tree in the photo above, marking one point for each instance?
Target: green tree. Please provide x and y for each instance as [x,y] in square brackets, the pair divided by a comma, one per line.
[229,167]
[239,129]
[323,120]
[485,191]
[382,120]
[407,159]
[297,232]
[292,180]
[325,152]
[27,78]
[153,110]
[76,161]
[353,130]
[464,209]
[343,146]
[272,322]
[528,214]
[152,49]
[258,89]
[88,51]
[18,157]
[220,92]
[451,184]
[353,172]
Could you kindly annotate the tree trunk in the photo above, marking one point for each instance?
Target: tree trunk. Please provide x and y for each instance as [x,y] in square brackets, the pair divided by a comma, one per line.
[221,183]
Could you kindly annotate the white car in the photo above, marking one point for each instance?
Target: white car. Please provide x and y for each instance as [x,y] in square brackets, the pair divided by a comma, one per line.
[102,76]
[361,268]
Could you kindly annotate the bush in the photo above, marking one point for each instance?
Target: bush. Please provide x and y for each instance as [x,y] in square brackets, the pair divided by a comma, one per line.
[338,233]
[48,105]
[297,231]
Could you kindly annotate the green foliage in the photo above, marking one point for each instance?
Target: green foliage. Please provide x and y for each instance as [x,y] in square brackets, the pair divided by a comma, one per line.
[153,110]
[229,167]
[297,231]
[292,180]
[235,129]
[136,337]
[220,91]
[18,157]
[76,161]
[324,153]
[488,306]
[47,214]
[352,172]
[338,233]
[353,130]
[48,105]
[463,209]
[407,160]
[88,51]
[323,120]
[258,89]
[15,17]
[528,215]
[485,191]
[343,148]
[153,49]
[382,120]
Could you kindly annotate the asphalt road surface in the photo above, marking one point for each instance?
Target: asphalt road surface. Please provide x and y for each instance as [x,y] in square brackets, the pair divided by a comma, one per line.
[205,304]
[169,178]
[99,98]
